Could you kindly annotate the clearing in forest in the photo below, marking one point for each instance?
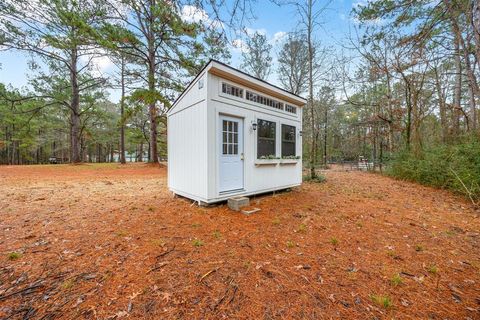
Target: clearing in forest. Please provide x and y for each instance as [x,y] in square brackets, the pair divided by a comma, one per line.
[100,241]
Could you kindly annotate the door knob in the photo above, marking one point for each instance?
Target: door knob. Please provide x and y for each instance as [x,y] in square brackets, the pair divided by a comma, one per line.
[241,156]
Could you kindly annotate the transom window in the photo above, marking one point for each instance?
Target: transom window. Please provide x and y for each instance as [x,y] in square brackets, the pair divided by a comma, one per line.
[288,141]
[230,137]
[290,108]
[258,98]
[264,100]
[266,132]
[232,90]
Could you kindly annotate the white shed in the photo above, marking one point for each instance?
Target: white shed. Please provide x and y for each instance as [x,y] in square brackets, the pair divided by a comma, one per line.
[231,134]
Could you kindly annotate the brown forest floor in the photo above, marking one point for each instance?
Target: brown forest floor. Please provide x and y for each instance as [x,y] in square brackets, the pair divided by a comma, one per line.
[105,241]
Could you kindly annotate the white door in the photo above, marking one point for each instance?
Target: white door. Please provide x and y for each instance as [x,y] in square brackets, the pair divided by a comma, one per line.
[231,154]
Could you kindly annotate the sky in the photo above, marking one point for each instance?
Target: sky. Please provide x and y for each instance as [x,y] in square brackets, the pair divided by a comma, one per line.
[272,20]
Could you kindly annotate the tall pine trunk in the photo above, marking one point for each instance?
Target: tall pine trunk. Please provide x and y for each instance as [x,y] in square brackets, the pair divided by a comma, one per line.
[122,114]
[408,125]
[152,110]
[442,106]
[313,146]
[74,110]
[457,96]
[390,113]
[476,29]
[325,132]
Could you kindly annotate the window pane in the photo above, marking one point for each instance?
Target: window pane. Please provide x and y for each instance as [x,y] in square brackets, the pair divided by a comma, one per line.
[224,125]
[266,138]
[224,148]
[231,90]
[266,129]
[235,138]
[288,149]
[288,140]
[224,137]
[235,149]
[266,148]
[230,149]
[235,127]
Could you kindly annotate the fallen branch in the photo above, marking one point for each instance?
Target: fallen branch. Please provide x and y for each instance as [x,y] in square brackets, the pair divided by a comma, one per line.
[208,273]
[469,193]
[163,264]
[165,253]
[21,291]
[407,274]
[233,285]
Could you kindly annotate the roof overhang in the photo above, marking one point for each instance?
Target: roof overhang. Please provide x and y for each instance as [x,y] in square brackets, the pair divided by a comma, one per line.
[227,72]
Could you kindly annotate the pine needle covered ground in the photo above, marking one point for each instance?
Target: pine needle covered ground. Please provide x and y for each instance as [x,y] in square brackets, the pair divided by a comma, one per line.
[105,241]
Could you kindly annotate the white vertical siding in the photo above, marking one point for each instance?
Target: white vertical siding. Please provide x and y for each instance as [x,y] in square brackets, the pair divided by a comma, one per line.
[187,145]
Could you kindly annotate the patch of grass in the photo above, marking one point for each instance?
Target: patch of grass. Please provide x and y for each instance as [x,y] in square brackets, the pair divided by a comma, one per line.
[14,256]
[359,225]
[68,284]
[450,233]
[158,242]
[302,228]
[396,280]
[476,265]
[334,241]
[290,244]
[196,225]
[419,248]
[433,269]
[318,179]
[151,209]
[276,221]
[197,243]
[107,275]
[217,234]
[121,233]
[381,300]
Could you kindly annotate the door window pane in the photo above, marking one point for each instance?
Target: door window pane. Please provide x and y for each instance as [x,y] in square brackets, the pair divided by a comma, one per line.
[230,137]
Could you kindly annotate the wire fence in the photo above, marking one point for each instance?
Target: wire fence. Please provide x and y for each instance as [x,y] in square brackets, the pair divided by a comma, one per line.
[351,165]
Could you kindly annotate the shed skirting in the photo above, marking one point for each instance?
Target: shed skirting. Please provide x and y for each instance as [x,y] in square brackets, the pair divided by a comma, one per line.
[226,196]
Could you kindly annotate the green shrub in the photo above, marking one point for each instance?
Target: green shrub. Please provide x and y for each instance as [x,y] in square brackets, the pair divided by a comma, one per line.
[454,167]
[318,179]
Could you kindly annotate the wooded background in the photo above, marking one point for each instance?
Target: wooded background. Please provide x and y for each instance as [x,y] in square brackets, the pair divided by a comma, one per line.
[402,91]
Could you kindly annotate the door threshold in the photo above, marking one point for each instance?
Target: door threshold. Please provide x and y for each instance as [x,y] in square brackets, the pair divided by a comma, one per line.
[231,191]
